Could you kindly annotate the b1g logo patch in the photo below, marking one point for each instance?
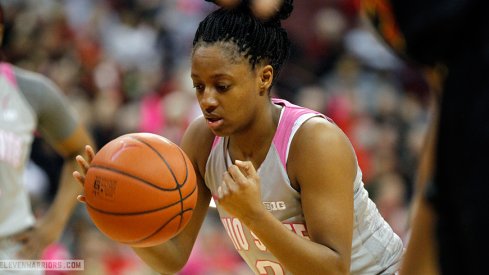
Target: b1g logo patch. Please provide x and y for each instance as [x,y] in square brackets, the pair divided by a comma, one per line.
[274,205]
[104,188]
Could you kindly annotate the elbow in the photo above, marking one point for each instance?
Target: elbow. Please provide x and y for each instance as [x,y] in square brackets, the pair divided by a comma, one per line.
[329,266]
[341,266]
[161,261]
[168,268]
[343,269]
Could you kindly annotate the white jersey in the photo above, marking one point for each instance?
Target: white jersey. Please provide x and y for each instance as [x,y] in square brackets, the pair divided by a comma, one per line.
[376,249]
[27,101]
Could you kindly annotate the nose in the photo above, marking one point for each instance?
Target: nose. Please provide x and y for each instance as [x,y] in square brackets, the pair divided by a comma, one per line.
[208,101]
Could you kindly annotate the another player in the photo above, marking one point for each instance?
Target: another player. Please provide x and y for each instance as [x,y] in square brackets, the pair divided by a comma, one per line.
[286,180]
[30,102]
[451,207]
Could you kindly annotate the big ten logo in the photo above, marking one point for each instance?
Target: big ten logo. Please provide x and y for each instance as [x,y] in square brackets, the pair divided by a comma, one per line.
[242,237]
[104,188]
[274,205]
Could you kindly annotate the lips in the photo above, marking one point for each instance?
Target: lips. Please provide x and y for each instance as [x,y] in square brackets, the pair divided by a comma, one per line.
[213,121]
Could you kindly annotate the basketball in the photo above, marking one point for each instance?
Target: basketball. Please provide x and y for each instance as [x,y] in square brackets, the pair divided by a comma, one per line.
[140,189]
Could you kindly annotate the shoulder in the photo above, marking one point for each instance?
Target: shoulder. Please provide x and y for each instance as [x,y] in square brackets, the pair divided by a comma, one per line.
[197,142]
[320,143]
[30,79]
[320,129]
[39,90]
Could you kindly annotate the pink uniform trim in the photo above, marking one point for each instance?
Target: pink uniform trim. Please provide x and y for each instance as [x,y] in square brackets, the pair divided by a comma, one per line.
[8,72]
[282,137]
[283,134]
[216,141]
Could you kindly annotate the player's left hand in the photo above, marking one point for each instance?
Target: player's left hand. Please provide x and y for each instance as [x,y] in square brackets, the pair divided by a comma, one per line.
[84,164]
[239,193]
[35,239]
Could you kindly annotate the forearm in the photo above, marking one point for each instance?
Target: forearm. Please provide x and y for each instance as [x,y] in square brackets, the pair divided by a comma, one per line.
[68,189]
[164,259]
[171,256]
[297,254]
[421,253]
[65,201]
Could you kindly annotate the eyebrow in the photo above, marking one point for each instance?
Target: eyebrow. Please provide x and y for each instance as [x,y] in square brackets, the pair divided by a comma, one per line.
[216,76]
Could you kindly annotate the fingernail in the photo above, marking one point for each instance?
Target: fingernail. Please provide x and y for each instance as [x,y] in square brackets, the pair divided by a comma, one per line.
[81,198]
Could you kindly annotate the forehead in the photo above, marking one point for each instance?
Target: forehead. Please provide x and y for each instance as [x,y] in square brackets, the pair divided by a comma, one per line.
[212,61]
[227,50]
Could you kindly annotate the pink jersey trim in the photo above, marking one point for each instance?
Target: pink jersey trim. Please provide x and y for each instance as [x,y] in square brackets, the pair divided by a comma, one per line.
[283,134]
[216,141]
[8,72]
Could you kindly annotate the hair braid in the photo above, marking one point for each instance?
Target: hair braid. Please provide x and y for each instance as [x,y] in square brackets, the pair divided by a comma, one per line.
[258,41]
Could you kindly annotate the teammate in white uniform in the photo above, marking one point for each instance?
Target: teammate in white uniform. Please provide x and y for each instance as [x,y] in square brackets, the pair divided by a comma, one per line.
[29,102]
[286,180]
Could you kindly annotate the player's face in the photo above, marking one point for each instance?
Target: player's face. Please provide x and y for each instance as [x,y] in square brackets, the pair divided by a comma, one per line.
[226,87]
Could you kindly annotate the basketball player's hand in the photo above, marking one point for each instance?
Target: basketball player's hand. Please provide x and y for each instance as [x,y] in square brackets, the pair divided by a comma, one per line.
[239,193]
[262,9]
[84,164]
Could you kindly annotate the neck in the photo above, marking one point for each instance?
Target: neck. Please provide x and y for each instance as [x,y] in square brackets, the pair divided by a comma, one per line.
[254,143]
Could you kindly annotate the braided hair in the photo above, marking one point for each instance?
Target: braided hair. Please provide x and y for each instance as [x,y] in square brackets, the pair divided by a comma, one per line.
[256,40]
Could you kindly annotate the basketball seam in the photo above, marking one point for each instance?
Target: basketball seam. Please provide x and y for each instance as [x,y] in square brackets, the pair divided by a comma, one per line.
[140,212]
[161,227]
[132,176]
[161,213]
[171,171]
[180,190]
[178,185]
[161,157]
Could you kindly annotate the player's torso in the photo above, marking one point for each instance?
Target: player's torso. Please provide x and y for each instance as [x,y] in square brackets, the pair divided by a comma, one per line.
[278,197]
[17,125]
[376,249]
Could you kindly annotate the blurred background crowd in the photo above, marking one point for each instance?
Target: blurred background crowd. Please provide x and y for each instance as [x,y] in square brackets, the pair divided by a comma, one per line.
[124,64]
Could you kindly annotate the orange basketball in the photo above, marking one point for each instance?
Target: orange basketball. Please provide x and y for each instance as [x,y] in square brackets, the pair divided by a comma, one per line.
[140,189]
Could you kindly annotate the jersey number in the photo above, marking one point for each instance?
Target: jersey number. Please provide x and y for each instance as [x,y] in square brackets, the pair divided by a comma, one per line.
[275,267]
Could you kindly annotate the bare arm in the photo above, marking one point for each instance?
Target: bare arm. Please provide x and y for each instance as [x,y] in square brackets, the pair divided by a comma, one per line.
[171,256]
[421,255]
[323,164]
[62,130]
[50,226]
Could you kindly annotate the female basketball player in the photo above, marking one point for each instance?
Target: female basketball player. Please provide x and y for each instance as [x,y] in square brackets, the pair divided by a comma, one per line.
[31,102]
[286,180]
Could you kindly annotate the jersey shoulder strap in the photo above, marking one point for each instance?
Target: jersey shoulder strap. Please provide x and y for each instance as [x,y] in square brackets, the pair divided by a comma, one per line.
[292,117]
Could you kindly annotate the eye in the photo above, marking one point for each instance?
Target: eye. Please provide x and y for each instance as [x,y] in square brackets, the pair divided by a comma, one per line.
[199,88]
[221,88]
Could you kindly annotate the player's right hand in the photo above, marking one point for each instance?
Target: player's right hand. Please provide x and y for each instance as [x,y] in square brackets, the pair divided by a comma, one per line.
[84,164]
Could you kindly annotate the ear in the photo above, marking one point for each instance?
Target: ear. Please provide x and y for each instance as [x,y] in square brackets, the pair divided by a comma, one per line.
[265,78]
